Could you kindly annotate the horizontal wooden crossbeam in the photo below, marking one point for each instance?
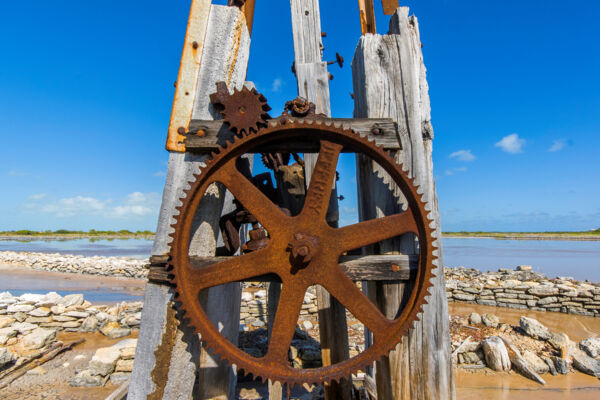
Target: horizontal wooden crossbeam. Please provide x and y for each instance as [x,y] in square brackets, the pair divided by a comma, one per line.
[358,268]
[207,136]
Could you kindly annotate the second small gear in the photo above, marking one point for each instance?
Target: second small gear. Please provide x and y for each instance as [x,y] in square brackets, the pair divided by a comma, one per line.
[244,110]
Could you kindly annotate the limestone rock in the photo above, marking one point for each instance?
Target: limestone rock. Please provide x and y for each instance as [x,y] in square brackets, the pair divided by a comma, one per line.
[585,363]
[249,394]
[562,365]
[559,340]
[39,338]
[15,308]
[113,330]
[6,357]
[90,324]
[543,290]
[40,312]
[490,320]
[104,361]
[24,327]
[86,379]
[119,378]
[39,370]
[496,355]
[535,362]
[124,366]
[591,346]
[72,300]
[534,328]
[128,353]
[474,318]
[6,321]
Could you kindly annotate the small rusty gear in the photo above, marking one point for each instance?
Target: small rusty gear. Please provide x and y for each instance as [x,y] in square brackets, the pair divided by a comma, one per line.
[244,110]
[303,250]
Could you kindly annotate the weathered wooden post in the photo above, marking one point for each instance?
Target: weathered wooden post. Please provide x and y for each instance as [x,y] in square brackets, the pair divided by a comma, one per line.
[389,81]
[168,357]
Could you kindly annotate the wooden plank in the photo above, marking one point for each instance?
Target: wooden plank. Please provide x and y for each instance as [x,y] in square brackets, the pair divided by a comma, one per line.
[389,6]
[185,88]
[367,16]
[389,81]
[313,84]
[168,355]
[205,136]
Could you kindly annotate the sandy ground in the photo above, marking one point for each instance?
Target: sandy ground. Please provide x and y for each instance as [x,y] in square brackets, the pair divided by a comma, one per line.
[54,383]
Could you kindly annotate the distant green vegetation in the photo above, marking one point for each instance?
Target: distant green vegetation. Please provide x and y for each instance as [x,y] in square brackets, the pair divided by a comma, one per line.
[91,232]
[553,234]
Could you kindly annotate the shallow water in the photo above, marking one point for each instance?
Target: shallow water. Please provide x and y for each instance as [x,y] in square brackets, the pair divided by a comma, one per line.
[577,259]
[472,385]
[137,248]
[96,289]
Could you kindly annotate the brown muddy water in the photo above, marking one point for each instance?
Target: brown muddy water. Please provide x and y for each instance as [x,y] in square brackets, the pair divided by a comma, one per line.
[479,385]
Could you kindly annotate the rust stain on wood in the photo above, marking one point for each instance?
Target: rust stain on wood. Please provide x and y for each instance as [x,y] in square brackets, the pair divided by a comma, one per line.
[163,354]
[239,28]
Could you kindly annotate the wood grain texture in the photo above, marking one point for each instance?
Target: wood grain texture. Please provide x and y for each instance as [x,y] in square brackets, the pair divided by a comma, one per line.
[390,81]
[185,88]
[214,134]
[313,85]
[224,58]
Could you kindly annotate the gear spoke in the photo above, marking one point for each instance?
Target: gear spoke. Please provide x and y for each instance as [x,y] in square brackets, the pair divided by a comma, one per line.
[351,297]
[231,270]
[375,230]
[252,199]
[286,318]
[321,182]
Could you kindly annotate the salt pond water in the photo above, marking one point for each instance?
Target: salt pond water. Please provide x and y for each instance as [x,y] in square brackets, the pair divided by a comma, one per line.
[138,248]
[577,259]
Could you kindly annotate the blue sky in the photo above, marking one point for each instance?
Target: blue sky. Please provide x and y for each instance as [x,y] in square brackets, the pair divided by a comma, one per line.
[86,90]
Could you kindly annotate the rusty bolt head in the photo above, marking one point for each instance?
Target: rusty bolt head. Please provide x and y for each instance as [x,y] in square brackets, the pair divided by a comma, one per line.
[376,130]
[195,45]
[395,268]
[200,132]
[181,130]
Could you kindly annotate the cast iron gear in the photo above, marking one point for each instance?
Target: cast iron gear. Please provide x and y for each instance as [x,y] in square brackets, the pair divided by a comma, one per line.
[244,110]
[303,250]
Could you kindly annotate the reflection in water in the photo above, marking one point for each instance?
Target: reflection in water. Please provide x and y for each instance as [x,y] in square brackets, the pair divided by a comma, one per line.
[137,248]
[472,385]
[577,259]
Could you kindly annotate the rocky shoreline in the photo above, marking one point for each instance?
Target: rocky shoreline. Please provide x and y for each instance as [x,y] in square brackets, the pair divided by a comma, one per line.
[125,267]
[522,289]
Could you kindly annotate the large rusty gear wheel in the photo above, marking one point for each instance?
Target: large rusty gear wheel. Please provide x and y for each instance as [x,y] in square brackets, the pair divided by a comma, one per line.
[303,250]
[244,110]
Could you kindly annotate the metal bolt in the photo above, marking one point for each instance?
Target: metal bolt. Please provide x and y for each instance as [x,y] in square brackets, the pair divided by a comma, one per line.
[330,77]
[338,59]
[201,132]
[376,130]
[395,268]
[181,130]
[323,34]
[195,45]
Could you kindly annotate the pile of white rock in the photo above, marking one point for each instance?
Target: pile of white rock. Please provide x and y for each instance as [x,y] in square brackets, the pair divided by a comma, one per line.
[106,266]
[522,289]
[531,348]
[35,318]
[113,364]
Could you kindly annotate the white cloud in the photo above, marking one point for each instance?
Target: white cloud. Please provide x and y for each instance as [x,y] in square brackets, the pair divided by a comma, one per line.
[135,204]
[557,145]
[276,86]
[349,210]
[463,155]
[453,171]
[511,144]
[159,174]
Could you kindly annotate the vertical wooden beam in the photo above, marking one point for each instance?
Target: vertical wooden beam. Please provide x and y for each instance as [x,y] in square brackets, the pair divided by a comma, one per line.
[313,84]
[168,355]
[185,88]
[389,81]
[367,16]
[389,6]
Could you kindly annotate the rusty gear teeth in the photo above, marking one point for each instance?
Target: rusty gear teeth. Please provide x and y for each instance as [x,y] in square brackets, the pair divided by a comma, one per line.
[187,285]
[244,110]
